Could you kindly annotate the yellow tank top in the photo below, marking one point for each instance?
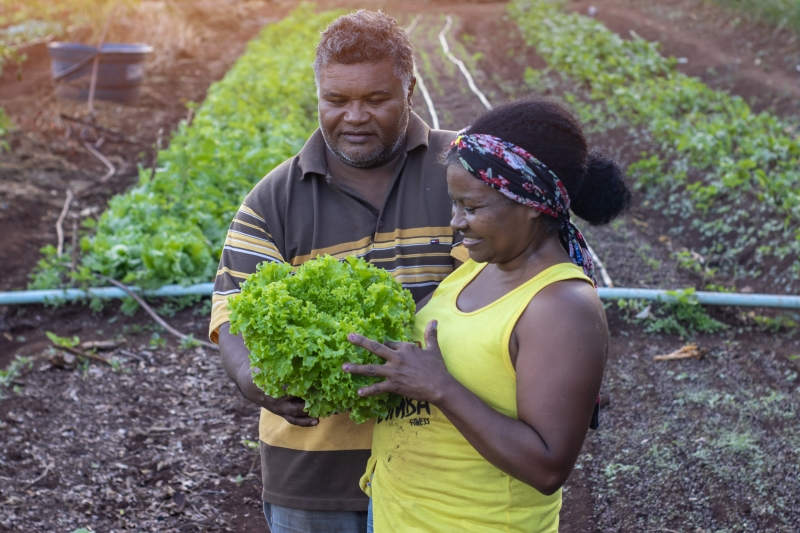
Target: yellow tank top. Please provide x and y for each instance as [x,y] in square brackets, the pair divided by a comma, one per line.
[423,475]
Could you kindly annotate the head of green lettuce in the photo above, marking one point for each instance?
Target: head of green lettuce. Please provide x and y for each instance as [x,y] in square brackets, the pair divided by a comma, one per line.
[295,324]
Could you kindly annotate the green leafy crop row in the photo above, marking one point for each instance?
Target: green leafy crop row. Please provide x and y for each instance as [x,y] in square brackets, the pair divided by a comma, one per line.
[724,174]
[170,228]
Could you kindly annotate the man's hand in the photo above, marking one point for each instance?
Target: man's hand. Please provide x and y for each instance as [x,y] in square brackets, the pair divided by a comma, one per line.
[236,362]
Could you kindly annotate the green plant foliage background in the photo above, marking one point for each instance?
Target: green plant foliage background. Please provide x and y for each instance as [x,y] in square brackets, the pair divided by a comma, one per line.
[295,326]
[712,164]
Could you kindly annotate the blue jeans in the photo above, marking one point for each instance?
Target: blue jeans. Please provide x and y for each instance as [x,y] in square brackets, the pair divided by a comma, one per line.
[288,520]
[370,527]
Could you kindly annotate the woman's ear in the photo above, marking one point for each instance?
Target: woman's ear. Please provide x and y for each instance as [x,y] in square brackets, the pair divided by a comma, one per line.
[533,213]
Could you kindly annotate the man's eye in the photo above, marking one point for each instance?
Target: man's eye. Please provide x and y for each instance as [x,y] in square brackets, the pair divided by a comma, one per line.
[375,102]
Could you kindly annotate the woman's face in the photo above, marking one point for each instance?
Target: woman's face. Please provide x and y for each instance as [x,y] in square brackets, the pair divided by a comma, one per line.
[495,229]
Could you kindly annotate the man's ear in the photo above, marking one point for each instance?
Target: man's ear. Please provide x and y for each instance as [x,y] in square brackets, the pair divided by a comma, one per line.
[411,86]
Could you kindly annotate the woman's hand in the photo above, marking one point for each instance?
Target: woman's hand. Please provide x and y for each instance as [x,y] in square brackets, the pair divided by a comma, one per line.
[410,371]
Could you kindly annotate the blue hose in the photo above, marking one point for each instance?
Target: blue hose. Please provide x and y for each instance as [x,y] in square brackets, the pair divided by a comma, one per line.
[105,293]
[731,299]
[205,289]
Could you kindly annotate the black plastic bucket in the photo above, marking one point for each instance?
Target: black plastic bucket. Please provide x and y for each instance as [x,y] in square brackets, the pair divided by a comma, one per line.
[120,72]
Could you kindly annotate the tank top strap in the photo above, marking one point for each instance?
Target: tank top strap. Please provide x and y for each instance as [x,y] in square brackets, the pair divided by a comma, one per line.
[553,274]
[452,286]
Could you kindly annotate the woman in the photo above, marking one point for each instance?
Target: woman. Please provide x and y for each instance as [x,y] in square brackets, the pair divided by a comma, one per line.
[498,401]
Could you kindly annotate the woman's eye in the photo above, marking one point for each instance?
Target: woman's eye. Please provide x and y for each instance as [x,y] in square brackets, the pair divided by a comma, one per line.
[469,210]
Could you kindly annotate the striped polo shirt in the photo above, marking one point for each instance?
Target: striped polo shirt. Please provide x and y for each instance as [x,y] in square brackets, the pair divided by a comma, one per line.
[297,213]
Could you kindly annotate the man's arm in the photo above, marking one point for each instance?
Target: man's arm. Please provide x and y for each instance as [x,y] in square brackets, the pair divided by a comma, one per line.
[236,362]
[247,244]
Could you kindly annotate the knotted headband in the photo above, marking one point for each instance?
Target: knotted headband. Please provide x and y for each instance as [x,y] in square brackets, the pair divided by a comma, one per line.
[518,175]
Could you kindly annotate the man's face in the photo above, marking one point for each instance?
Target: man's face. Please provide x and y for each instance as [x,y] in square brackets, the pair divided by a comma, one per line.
[363,111]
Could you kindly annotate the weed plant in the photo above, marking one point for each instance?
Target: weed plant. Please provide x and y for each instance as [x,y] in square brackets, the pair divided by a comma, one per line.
[681,315]
[6,126]
[7,376]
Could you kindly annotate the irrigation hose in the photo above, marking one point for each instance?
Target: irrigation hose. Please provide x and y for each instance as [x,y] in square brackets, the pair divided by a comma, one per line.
[730,299]
[471,82]
[421,82]
[459,63]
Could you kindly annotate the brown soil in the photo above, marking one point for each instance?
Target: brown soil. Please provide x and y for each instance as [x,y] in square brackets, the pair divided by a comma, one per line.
[177,439]
[159,444]
[86,486]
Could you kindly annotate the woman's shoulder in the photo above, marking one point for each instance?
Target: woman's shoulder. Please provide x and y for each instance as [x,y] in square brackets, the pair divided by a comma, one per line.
[573,293]
[568,305]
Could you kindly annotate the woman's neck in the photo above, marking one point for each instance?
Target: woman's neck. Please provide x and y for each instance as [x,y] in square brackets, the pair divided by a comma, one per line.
[540,255]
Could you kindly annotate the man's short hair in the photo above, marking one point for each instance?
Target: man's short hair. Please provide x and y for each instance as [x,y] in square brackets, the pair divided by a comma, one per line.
[366,36]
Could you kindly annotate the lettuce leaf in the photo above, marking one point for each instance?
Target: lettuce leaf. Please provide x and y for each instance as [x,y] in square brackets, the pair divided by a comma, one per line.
[295,325]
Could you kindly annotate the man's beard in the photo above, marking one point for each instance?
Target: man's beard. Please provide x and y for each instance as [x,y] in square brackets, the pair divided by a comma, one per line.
[389,146]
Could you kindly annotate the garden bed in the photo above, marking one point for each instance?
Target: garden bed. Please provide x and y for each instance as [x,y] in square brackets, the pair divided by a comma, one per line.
[694,445]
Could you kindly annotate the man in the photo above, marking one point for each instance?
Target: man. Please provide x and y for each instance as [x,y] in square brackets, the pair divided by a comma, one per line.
[366,183]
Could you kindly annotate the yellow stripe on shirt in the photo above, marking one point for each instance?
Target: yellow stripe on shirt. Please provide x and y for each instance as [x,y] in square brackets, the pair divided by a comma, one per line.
[358,247]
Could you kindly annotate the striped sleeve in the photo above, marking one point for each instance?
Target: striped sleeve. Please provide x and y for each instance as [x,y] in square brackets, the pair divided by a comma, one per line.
[247,244]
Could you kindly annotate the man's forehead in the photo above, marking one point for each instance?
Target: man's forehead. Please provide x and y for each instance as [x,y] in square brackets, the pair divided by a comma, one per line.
[364,78]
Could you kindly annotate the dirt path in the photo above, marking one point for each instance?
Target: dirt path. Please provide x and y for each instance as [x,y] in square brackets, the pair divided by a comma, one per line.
[675,437]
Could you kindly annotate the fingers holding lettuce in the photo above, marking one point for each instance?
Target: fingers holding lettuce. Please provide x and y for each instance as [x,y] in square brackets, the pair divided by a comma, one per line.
[409,370]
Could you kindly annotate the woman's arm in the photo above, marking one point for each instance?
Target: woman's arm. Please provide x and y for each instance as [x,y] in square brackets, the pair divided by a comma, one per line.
[562,340]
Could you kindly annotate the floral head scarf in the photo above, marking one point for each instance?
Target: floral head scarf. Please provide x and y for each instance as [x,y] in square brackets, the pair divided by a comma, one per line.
[518,175]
